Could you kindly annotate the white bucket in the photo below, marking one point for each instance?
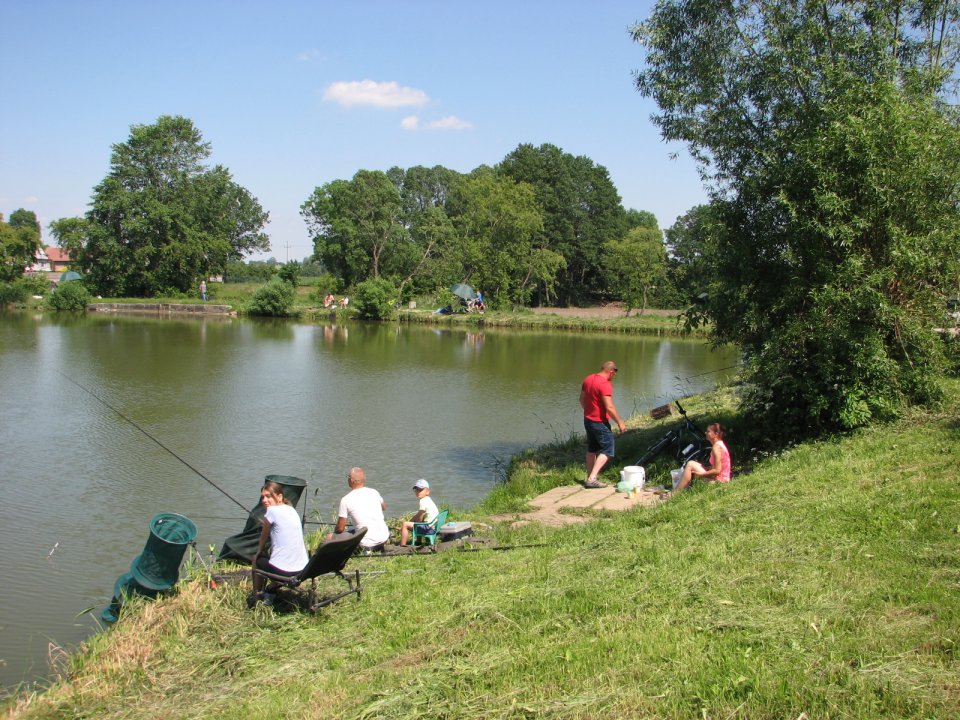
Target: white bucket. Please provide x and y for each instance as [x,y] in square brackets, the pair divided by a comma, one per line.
[675,475]
[633,475]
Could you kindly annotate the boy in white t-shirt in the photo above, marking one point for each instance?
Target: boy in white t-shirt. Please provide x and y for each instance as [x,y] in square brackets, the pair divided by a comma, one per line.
[425,515]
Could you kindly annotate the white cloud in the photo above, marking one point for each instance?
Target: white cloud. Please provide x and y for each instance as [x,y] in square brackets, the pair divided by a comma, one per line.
[450,122]
[410,122]
[306,55]
[31,200]
[378,94]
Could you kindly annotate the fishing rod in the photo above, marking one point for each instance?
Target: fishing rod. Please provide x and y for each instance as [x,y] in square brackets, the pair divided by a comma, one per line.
[461,548]
[234,517]
[247,513]
[503,547]
[204,477]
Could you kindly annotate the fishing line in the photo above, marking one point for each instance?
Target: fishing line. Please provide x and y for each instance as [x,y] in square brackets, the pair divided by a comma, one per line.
[100,399]
[234,517]
[500,548]
[709,372]
[461,548]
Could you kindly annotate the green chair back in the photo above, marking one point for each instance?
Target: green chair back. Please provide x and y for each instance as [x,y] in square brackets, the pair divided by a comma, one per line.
[429,534]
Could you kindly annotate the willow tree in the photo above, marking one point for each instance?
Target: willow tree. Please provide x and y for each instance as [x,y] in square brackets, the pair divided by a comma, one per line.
[834,166]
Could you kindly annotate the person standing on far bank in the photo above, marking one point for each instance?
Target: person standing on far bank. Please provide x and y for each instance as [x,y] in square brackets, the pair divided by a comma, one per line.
[596,399]
[203,290]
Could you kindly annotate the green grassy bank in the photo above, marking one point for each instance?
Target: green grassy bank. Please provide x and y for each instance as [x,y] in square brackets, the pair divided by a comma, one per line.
[306,307]
[663,325]
[822,583]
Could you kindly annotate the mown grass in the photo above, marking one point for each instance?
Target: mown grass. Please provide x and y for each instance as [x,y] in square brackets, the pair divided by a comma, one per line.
[825,583]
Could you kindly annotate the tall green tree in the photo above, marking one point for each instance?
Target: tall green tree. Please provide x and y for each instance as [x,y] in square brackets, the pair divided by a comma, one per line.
[430,259]
[422,188]
[687,240]
[70,234]
[581,213]
[19,243]
[638,265]
[500,230]
[356,225]
[640,218]
[24,219]
[161,219]
[834,170]
[427,259]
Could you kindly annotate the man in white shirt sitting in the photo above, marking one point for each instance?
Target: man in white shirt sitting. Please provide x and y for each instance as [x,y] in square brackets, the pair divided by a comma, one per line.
[364,507]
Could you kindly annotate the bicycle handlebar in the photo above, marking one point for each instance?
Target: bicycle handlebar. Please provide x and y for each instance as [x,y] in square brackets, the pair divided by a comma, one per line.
[680,408]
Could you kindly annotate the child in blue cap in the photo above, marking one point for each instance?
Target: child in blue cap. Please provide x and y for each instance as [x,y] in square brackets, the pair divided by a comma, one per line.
[425,515]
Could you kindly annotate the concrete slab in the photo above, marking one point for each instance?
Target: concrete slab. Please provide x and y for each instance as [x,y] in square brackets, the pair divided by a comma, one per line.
[556,495]
[621,501]
[585,498]
[547,507]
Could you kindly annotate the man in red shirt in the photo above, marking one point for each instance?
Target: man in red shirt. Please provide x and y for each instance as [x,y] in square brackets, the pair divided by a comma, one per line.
[596,399]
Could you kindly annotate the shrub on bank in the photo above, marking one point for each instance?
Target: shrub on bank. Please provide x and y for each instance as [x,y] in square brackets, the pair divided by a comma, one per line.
[291,273]
[12,293]
[70,296]
[275,299]
[376,299]
[35,284]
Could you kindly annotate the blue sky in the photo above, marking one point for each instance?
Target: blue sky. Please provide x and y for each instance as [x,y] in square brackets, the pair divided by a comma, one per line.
[292,95]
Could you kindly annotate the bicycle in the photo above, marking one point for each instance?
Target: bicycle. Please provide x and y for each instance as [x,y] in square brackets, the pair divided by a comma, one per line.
[689,440]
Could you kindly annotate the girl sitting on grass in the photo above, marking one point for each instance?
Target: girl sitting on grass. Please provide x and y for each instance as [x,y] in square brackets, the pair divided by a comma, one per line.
[718,470]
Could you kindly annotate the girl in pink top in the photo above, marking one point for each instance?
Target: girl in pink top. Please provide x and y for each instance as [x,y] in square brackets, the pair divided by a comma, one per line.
[718,470]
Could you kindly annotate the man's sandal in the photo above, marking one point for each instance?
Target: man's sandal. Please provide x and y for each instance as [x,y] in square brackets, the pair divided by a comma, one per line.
[593,484]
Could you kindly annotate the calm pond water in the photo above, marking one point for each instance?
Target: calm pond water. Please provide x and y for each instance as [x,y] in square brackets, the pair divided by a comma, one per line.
[240,399]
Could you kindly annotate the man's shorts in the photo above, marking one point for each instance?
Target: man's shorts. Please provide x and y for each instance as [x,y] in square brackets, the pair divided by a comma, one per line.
[599,437]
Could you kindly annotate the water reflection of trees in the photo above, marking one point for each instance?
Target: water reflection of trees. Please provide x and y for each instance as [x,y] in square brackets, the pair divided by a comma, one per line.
[271,328]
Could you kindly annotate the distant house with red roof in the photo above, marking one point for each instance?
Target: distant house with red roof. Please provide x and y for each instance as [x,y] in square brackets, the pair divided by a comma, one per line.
[51,260]
[59,259]
[41,263]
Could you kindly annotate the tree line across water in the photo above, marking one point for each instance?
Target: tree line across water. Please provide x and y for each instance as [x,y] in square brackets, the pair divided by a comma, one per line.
[829,142]
[542,226]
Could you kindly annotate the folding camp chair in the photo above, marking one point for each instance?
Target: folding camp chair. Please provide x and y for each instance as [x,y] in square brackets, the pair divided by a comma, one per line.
[329,559]
[428,531]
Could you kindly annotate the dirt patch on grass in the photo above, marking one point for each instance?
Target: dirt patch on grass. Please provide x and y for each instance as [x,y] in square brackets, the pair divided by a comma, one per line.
[610,310]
